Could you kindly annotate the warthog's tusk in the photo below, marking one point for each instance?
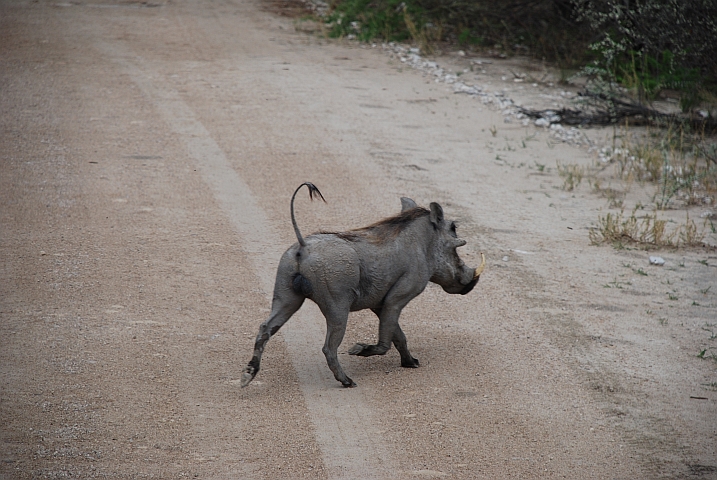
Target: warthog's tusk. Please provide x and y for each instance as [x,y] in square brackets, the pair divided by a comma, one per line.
[480,269]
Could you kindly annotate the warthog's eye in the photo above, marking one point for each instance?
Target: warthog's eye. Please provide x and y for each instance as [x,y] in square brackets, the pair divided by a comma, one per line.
[453,229]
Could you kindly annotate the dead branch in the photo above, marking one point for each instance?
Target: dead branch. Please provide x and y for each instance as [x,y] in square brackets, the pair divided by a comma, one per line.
[601,109]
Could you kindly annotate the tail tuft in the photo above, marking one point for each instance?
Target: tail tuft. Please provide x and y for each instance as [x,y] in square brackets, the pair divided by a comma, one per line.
[312,191]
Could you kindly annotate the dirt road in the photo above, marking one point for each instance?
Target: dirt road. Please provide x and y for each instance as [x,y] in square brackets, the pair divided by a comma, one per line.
[149,151]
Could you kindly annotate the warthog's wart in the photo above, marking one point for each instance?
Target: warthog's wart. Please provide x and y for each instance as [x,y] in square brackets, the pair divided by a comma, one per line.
[381,267]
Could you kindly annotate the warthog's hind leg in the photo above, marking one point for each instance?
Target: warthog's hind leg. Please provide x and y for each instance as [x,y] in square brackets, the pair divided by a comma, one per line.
[336,320]
[389,331]
[285,304]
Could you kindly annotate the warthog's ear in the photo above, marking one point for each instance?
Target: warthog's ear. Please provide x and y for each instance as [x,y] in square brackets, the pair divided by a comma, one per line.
[407,204]
[436,214]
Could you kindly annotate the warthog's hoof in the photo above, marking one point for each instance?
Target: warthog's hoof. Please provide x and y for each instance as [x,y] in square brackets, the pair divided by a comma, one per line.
[412,364]
[349,384]
[247,376]
[359,348]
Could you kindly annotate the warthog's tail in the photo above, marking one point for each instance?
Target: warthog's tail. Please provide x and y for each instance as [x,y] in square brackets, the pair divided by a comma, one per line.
[312,190]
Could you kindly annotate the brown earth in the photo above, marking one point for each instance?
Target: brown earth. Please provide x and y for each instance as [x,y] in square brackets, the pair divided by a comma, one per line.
[149,151]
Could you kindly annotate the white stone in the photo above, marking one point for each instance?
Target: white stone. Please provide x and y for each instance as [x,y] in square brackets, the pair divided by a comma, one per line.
[657,261]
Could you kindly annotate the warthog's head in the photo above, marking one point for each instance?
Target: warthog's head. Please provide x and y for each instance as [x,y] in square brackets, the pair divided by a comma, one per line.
[450,271]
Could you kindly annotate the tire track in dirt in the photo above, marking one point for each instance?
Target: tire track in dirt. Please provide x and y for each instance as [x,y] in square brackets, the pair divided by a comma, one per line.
[345,427]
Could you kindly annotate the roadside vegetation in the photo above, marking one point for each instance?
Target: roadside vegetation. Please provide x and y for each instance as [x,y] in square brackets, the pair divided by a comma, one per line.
[650,48]
[628,55]
[677,171]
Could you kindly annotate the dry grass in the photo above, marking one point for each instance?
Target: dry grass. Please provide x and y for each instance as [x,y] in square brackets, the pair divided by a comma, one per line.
[681,165]
[647,232]
[571,174]
[678,167]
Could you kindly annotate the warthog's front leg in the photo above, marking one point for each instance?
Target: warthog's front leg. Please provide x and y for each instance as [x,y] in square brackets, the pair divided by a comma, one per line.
[399,340]
[284,305]
[388,331]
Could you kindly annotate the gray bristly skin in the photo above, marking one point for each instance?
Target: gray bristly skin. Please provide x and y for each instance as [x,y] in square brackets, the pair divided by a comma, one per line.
[381,267]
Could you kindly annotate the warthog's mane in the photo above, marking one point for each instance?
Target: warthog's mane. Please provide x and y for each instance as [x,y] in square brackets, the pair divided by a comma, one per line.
[383,230]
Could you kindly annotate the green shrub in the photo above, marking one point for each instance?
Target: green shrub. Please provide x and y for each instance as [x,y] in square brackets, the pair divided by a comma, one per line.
[542,28]
[645,45]
[372,19]
[652,45]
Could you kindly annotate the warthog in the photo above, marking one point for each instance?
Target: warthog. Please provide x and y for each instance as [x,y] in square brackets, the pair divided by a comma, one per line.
[381,267]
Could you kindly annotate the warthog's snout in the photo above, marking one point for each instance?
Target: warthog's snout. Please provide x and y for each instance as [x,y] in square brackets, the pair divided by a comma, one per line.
[476,276]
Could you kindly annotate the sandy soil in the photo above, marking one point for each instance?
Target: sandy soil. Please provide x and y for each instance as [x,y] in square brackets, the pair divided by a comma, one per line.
[149,151]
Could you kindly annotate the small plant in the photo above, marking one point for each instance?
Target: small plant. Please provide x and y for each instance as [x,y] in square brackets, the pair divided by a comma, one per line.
[672,296]
[424,36]
[540,166]
[663,321]
[640,271]
[615,284]
[688,233]
[528,138]
[571,174]
[614,197]
[703,354]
